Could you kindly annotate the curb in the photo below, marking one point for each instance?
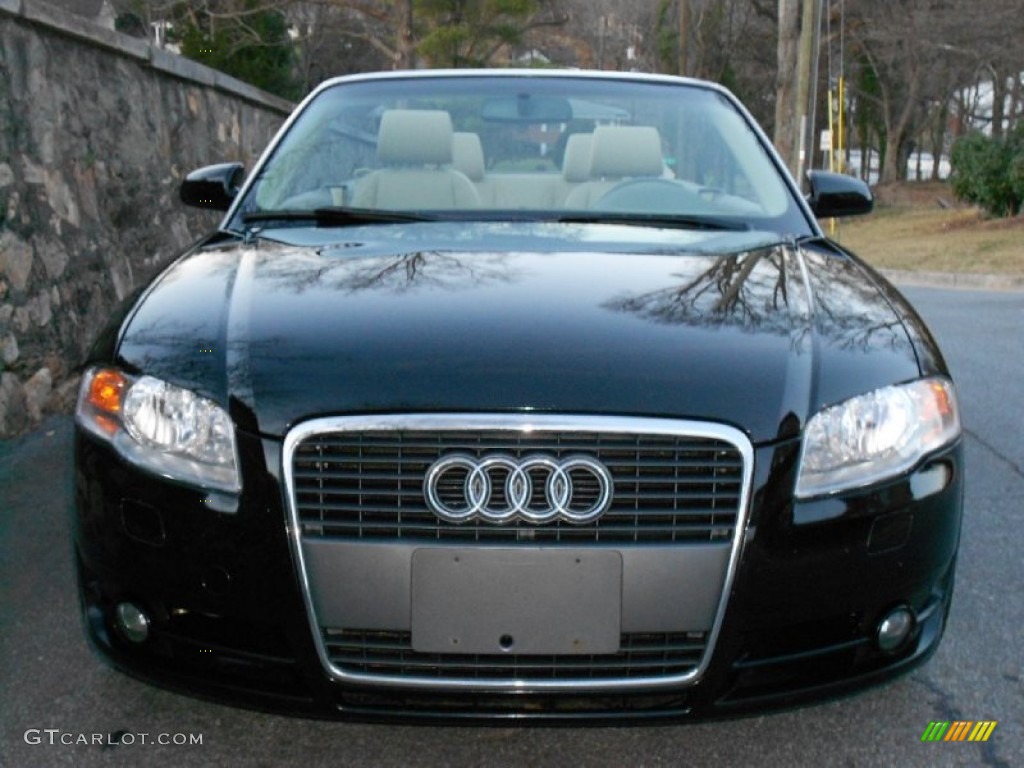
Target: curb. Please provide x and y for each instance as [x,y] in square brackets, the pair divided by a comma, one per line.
[956,280]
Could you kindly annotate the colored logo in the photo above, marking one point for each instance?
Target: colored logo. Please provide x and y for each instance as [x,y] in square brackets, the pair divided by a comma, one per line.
[959,730]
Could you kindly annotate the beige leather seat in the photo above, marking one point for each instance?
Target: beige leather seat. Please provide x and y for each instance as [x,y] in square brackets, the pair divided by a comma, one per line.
[468,159]
[618,152]
[415,146]
[503,190]
[575,164]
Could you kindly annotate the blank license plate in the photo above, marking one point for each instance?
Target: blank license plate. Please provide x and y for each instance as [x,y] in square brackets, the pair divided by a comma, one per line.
[516,601]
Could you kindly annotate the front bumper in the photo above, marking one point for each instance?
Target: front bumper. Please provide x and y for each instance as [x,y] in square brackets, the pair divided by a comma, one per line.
[229,621]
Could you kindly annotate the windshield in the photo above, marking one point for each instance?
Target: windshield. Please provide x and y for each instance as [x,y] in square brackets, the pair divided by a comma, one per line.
[479,147]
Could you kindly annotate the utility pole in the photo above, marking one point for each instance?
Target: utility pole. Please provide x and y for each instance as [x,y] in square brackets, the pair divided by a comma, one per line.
[786,82]
[795,57]
[798,160]
[684,37]
[815,63]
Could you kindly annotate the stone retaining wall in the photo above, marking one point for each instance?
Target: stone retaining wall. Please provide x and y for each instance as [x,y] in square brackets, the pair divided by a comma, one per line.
[97,130]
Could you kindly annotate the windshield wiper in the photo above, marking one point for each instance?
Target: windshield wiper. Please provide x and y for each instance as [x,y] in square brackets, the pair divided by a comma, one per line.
[337,216]
[666,221]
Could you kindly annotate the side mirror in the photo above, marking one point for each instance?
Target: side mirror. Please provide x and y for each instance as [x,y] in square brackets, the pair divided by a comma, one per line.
[213,186]
[835,194]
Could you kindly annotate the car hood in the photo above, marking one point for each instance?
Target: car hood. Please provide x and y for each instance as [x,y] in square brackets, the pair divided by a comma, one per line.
[729,328]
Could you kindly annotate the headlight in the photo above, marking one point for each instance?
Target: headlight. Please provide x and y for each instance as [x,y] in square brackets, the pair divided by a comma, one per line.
[876,436]
[160,427]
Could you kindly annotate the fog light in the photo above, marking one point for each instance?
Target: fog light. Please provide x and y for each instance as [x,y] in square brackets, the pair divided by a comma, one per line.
[132,622]
[894,629]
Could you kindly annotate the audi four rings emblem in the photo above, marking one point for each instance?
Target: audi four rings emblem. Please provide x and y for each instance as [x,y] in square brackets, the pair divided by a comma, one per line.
[536,488]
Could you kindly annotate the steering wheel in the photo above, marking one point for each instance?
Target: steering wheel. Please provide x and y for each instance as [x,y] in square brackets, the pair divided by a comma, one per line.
[666,196]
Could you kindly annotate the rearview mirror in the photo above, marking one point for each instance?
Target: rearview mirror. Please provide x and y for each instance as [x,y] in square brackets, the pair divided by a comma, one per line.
[835,194]
[213,186]
[527,108]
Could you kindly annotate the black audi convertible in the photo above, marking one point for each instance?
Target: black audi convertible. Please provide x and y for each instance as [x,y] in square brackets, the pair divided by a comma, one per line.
[531,395]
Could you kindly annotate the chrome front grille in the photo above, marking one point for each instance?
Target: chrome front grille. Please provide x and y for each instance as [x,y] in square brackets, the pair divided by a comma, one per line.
[368,484]
[376,652]
[358,515]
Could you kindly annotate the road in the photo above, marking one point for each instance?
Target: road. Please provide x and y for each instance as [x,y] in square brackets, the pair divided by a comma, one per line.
[50,680]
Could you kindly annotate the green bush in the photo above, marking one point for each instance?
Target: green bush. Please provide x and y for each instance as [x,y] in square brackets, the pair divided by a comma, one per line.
[255,47]
[1016,174]
[990,172]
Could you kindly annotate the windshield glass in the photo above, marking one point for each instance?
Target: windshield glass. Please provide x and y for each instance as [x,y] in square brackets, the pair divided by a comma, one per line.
[479,147]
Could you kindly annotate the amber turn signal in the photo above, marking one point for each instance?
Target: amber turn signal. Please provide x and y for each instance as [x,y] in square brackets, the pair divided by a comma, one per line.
[106,390]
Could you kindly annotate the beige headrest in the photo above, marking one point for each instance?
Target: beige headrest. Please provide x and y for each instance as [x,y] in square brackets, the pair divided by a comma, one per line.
[625,150]
[415,137]
[468,155]
[576,163]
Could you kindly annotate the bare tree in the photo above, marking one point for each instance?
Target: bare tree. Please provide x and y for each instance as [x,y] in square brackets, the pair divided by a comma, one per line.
[458,33]
[921,51]
[611,34]
[330,41]
[386,26]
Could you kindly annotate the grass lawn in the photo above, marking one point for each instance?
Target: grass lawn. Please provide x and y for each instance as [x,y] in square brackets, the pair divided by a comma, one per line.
[911,230]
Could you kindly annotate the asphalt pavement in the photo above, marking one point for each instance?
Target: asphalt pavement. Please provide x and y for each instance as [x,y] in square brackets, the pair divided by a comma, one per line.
[54,691]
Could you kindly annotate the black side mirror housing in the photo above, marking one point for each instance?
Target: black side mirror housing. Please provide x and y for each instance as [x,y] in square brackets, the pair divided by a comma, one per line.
[835,194]
[213,186]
